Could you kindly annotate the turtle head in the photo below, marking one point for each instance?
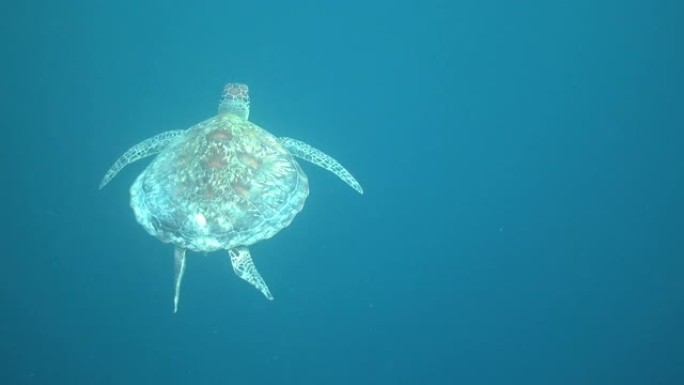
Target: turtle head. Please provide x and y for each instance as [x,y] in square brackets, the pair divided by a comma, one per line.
[235,100]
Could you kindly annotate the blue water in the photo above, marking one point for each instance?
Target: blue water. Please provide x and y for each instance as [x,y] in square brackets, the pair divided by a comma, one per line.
[522,221]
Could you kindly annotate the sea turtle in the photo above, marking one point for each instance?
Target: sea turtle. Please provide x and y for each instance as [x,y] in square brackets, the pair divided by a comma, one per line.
[224,183]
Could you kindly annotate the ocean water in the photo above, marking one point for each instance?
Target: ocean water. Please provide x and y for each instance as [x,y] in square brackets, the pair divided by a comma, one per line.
[521,223]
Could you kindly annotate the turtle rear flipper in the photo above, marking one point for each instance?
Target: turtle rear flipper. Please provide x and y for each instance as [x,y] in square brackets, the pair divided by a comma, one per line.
[147,147]
[320,159]
[245,269]
[179,269]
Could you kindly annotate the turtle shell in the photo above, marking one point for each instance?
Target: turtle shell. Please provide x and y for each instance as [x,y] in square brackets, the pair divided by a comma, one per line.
[224,183]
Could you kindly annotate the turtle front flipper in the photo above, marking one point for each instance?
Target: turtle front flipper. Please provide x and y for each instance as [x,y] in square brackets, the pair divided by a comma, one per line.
[245,269]
[147,147]
[321,159]
[179,269]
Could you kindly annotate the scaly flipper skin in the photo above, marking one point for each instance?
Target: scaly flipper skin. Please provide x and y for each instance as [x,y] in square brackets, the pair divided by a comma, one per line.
[179,269]
[147,147]
[321,159]
[245,269]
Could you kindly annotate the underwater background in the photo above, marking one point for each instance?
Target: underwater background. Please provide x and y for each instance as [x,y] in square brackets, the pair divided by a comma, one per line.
[521,223]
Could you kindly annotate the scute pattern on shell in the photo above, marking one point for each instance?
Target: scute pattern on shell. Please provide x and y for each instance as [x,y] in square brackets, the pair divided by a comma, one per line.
[226,183]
